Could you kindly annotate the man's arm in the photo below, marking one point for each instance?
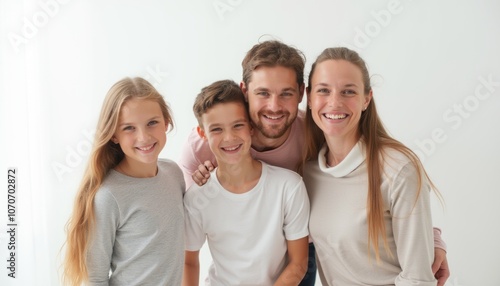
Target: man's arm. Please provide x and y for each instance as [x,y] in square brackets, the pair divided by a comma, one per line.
[191,274]
[297,262]
[194,153]
[440,266]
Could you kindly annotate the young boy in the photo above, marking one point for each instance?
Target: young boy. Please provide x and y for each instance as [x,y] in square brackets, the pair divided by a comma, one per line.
[254,215]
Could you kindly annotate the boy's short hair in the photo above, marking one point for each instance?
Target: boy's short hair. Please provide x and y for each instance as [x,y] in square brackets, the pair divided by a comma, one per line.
[271,54]
[222,91]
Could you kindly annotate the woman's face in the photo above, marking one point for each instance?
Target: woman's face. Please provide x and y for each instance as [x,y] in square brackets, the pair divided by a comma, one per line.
[337,99]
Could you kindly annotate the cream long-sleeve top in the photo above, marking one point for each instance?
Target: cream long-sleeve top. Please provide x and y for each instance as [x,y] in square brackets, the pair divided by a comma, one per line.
[338,222]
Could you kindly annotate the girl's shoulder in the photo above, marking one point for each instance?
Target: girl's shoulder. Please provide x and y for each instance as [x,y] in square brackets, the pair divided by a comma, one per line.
[172,170]
[169,165]
[165,161]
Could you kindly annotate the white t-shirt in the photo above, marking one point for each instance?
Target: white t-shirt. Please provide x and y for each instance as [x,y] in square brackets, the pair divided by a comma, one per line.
[247,233]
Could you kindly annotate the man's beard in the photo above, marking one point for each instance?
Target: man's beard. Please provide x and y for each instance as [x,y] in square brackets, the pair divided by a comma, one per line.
[274,131]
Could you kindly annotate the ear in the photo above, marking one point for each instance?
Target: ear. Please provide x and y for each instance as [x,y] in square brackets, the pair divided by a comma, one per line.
[244,89]
[201,133]
[301,92]
[114,140]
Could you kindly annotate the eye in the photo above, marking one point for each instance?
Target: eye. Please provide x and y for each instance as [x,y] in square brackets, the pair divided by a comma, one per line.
[323,90]
[239,125]
[152,122]
[216,130]
[263,93]
[349,92]
[128,128]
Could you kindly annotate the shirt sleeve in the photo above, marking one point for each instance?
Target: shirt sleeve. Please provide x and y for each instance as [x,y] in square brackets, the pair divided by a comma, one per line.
[193,227]
[296,224]
[194,153]
[412,227]
[100,250]
[438,241]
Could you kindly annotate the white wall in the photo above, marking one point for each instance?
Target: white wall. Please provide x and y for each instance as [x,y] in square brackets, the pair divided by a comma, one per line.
[436,71]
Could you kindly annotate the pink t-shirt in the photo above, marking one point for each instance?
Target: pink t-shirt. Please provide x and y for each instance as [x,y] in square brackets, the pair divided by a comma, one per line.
[288,155]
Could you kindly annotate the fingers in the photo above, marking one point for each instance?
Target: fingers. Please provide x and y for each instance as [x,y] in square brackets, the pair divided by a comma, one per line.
[439,257]
[201,175]
[442,276]
[198,178]
[440,267]
[209,166]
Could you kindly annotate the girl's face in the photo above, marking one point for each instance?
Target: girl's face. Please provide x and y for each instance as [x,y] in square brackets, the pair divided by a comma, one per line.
[337,98]
[228,132]
[141,132]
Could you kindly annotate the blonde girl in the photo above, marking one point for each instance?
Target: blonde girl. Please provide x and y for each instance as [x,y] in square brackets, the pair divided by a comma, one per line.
[127,223]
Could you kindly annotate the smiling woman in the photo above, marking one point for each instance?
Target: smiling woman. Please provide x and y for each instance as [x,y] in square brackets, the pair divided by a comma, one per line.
[356,170]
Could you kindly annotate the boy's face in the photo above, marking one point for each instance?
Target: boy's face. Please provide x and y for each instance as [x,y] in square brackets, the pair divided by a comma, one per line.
[273,98]
[228,131]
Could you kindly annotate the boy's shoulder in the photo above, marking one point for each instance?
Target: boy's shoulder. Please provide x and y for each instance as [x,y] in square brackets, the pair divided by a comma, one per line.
[279,175]
[276,170]
[194,189]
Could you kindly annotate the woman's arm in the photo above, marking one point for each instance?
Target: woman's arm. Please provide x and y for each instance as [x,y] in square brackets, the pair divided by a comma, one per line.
[412,227]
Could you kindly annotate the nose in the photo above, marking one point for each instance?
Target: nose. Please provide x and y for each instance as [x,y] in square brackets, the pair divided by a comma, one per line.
[229,135]
[143,134]
[335,100]
[274,103]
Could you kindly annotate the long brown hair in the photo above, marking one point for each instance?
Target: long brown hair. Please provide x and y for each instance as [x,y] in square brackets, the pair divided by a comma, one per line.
[105,155]
[375,138]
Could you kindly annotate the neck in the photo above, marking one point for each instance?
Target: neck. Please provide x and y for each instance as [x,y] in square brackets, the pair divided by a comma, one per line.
[137,169]
[241,177]
[338,149]
[262,143]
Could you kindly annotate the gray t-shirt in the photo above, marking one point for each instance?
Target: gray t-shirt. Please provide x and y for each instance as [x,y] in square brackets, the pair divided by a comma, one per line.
[139,233]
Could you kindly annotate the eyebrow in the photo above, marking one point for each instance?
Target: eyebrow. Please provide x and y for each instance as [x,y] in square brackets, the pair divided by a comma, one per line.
[351,85]
[267,89]
[345,85]
[241,120]
[128,123]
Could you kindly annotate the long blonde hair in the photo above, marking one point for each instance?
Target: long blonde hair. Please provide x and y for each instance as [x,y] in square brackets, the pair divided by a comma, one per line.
[375,138]
[105,155]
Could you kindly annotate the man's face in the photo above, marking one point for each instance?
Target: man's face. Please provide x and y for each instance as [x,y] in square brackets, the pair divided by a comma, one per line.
[273,97]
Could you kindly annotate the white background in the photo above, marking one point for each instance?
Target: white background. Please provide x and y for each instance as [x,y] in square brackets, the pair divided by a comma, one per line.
[431,61]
